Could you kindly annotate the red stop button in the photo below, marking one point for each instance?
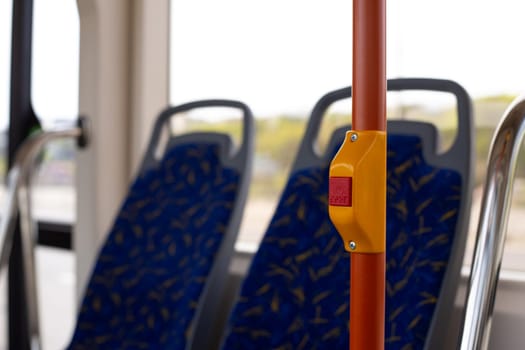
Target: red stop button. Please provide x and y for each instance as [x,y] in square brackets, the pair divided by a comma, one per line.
[340,191]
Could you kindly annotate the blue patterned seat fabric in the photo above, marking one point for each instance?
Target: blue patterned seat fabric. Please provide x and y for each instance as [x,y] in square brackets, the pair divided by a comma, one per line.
[151,271]
[296,293]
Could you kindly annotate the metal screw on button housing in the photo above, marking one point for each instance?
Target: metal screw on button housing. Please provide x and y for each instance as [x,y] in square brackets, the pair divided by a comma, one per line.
[353,137]
[352,245]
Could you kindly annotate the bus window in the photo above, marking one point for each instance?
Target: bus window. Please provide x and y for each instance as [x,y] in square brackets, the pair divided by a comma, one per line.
[55,101]
[280,60]
[486,61]
[55,71]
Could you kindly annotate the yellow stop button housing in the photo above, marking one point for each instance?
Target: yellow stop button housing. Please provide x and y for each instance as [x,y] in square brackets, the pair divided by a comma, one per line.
[357,191]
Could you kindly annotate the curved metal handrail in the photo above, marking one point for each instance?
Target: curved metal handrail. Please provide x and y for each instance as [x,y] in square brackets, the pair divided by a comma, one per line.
[492,227]
[18,201]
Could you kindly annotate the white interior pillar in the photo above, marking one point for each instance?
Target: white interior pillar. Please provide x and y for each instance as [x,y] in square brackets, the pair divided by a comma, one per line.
[102,169]
[150,68]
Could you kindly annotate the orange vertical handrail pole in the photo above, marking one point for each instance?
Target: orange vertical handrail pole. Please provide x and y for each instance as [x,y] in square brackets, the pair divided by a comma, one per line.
[367,281]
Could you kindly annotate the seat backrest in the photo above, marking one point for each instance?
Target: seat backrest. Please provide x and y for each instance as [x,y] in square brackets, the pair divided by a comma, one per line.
[159,271]
[296,292]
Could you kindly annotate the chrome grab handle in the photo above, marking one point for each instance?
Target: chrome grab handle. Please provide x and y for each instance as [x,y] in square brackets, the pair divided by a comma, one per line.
[492,227]
[18,201]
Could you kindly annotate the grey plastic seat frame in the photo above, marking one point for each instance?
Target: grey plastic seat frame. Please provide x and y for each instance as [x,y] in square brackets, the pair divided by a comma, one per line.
[238,158]
[459,157]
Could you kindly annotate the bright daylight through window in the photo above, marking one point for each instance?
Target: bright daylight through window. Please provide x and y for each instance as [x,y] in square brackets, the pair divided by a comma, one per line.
[55,101]
[280,61]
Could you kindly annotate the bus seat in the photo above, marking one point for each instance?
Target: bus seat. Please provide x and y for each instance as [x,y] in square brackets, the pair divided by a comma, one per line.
[160,269]
[296,292]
